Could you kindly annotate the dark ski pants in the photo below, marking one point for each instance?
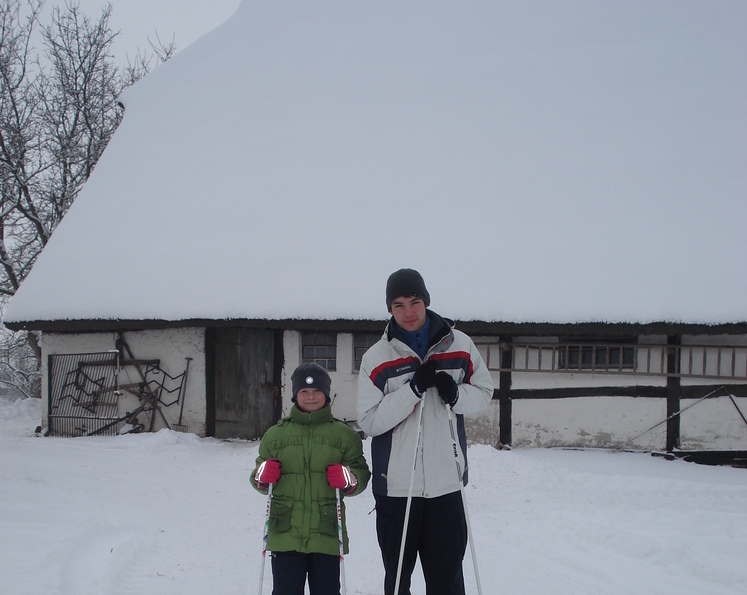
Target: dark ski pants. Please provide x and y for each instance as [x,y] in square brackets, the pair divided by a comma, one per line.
[290,569]
[437,531]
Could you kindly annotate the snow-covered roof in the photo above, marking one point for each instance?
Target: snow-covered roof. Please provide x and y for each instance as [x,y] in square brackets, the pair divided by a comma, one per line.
[536,161]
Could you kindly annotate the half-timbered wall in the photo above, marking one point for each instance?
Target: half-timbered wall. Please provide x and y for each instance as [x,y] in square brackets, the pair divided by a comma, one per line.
[537,403]
[585,408]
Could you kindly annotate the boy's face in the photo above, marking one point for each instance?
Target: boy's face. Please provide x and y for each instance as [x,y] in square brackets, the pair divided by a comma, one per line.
[409,312]
[310,399]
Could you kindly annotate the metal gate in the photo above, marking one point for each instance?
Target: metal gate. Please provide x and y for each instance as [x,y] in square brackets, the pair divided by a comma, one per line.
[83,394]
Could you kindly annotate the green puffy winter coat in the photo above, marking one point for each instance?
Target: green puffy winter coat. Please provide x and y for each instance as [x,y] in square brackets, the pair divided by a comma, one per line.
[303,512]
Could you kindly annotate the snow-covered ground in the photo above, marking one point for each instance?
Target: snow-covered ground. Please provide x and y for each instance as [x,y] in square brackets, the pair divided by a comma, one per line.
[173,513]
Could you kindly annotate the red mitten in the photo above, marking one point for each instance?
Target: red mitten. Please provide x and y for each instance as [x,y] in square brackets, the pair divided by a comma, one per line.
[268,472]
[341,477]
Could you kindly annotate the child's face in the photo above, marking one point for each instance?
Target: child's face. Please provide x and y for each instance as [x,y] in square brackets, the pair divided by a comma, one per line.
[310,399]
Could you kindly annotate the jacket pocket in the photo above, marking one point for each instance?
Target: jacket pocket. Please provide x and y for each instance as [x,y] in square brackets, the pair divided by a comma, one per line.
[280,517]
[328,519]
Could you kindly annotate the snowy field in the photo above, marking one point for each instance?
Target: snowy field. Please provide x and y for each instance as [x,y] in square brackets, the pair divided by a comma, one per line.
[171,513]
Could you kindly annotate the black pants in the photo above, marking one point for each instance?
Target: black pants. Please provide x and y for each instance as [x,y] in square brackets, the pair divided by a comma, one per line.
[290,569]
[437,531]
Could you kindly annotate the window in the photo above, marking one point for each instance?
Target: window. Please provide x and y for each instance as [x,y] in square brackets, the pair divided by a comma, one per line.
[361,343]
[319,348]
[596,355]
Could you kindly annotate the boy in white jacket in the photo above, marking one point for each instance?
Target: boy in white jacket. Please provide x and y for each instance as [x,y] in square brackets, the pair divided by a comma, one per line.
[420,360]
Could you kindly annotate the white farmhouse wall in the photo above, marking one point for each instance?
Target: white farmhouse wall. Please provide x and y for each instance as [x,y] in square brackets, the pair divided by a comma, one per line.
[539,380]
[611,422]
[170,346]
[590,422]
[604,422]
[291,359]
[583,422]
[484,428]
[580,422]
[713,424]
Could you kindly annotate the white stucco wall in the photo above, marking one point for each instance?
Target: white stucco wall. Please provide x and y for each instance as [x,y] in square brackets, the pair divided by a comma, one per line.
[714,423]
[589,422]
[170,346]
[601,422]
[610,422]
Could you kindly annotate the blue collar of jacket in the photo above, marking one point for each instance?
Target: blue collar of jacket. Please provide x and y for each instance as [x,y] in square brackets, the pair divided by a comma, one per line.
[418,340]
[439,329]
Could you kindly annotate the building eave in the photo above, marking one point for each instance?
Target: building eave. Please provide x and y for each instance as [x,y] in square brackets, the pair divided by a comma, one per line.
[473,327]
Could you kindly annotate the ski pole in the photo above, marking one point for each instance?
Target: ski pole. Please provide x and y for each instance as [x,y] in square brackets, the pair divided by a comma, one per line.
[464,499]
[343,589]
[409,495]
[264,539]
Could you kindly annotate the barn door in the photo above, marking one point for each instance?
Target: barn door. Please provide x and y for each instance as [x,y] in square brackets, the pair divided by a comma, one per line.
[245,403]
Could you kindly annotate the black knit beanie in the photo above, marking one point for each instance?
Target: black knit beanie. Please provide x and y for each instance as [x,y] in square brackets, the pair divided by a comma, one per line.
[313,376]
[406,283]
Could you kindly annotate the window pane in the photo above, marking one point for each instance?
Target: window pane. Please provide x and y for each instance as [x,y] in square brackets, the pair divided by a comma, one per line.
[319,348]
[597,355]
[628,357]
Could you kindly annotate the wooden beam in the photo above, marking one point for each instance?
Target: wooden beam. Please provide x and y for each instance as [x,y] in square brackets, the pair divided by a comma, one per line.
[589,391]
[656,392]
[504,392]
[673,393]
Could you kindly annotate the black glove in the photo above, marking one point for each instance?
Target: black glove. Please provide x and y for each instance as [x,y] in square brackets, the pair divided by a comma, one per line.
[424,378]
[447,388]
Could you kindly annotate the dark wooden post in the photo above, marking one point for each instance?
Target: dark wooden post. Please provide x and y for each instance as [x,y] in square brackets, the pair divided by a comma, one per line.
[210,382]
[504,391]
[673,392]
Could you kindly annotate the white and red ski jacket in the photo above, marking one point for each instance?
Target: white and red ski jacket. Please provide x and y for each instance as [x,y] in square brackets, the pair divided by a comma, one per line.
[387,411]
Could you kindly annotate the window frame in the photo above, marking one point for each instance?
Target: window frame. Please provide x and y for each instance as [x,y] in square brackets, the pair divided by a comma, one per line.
[323,346]
[584,354]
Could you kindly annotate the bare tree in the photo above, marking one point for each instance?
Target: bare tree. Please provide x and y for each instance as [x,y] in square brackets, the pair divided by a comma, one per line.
[58,110]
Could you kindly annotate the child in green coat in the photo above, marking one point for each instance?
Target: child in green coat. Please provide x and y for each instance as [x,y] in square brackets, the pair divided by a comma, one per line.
[307,456]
